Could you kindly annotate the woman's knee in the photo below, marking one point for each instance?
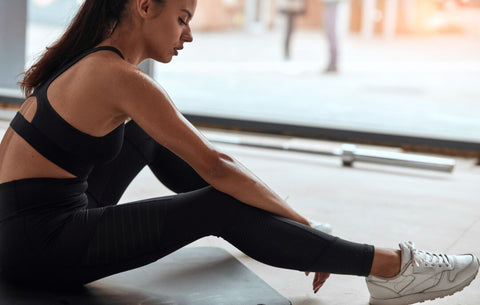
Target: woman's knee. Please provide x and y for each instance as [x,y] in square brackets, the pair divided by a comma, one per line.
[209,198]
[211,205]
[168,168]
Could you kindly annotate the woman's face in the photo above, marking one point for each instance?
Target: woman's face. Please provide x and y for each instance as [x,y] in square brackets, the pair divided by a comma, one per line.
[167,28]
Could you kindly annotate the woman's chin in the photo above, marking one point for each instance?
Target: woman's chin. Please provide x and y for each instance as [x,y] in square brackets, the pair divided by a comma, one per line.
[166,60]
[163,59]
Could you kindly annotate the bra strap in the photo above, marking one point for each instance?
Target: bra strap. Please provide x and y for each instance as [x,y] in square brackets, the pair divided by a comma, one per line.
[47,147]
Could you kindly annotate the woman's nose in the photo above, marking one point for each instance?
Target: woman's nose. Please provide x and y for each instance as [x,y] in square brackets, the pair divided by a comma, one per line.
[187,36]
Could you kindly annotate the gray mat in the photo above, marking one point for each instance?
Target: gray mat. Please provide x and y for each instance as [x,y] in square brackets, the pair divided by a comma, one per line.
[190,276]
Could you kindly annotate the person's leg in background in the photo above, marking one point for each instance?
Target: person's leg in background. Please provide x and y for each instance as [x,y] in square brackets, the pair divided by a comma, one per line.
[331,32]
[290,16]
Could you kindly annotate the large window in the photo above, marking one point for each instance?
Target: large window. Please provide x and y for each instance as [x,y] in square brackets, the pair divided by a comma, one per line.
[46,21]
[418,81]
[412,69]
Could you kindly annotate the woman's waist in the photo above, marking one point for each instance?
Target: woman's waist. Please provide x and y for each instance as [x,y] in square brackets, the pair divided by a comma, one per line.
[33,193]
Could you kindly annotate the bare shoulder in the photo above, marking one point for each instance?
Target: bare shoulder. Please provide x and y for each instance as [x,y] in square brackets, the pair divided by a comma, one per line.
[122,86]
[135,86]
[107,68]
[106,74]
[121,75]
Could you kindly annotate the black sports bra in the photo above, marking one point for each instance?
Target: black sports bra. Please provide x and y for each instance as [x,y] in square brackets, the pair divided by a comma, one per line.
[60,142]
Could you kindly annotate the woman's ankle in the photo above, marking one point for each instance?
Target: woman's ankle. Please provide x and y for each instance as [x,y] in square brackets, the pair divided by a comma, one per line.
[386,263]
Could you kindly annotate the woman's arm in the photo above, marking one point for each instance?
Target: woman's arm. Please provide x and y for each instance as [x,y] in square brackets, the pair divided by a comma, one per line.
[151,108]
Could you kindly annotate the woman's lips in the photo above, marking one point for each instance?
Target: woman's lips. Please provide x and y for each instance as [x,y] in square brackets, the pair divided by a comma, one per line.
[176,50]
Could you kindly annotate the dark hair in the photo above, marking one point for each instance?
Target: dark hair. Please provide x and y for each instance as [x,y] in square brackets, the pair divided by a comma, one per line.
[94,22]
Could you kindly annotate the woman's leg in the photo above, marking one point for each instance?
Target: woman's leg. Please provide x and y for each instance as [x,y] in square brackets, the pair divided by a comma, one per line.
[288,34]
[386,263]
[330,23]
[107,183]
[139,226]
[135,234]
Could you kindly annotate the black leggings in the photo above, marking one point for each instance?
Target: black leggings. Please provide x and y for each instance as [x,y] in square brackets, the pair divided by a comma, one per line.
[69,231]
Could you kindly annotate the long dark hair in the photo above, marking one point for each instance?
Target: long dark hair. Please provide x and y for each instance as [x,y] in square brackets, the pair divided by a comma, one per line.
[94,22]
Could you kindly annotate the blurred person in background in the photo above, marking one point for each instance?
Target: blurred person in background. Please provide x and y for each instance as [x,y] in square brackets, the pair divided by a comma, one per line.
[291,9]
[330,24]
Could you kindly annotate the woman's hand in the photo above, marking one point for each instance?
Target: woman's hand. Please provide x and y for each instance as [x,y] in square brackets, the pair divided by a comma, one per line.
[320,277]
[318,280]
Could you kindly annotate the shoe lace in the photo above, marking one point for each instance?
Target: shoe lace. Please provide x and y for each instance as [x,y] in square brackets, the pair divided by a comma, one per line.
[429,259]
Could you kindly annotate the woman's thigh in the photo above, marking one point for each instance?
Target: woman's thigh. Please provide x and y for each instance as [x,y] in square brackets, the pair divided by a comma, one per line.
[134,234]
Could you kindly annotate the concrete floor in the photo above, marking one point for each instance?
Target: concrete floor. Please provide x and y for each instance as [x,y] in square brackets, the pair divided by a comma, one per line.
[374,204]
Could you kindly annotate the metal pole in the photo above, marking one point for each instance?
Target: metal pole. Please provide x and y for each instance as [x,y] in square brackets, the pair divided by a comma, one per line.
[349,154]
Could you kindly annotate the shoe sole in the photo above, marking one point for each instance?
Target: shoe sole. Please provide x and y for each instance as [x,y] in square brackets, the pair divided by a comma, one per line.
[424,296]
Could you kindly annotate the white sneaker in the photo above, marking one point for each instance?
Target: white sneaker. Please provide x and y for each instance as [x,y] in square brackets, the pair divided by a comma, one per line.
[423,276]
[321,226]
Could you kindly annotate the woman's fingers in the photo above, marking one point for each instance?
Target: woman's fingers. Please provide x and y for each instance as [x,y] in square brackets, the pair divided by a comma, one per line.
[319,280]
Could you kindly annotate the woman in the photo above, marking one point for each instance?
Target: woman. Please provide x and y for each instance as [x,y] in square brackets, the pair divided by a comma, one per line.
[68,157]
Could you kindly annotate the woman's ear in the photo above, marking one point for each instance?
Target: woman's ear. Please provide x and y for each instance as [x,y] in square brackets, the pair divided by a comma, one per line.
[142,7]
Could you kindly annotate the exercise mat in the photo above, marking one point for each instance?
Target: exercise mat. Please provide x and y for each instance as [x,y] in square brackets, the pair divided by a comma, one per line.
[189,276]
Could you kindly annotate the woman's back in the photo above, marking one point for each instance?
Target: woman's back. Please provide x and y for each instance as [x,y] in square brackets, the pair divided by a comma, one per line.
[83,98]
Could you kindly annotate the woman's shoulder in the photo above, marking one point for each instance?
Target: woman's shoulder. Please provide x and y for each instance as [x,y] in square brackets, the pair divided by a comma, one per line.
[106,64]
[106,70]
[124,84]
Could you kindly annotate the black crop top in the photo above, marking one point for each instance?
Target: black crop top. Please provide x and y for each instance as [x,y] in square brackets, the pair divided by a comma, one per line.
[61,143]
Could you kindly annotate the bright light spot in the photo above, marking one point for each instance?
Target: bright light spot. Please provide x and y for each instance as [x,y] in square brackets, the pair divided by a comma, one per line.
[450,5]
[437,22]
[42,3]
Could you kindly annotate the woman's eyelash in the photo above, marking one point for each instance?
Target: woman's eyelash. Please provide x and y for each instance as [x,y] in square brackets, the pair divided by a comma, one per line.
[182,21]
